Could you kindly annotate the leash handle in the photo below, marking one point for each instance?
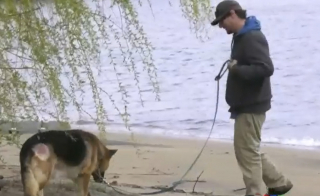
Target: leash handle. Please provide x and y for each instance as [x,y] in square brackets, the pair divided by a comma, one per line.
[222,70]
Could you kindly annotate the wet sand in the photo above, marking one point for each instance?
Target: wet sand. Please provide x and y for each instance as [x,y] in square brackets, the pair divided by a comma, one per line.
[151,162]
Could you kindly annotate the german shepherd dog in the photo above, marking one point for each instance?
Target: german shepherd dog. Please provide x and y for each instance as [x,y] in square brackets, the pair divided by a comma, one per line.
[76,153]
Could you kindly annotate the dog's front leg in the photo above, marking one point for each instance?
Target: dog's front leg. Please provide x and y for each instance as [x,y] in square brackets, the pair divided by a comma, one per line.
[83,183]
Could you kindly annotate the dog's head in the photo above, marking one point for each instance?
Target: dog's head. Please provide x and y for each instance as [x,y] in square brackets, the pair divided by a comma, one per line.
[104,161]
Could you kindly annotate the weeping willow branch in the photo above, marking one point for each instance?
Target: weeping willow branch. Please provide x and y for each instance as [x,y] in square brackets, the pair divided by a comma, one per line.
[21,13]
[50,54]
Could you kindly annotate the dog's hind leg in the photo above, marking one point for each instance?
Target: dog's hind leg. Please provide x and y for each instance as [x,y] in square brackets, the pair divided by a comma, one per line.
[30,184]
[39,170]
[40,193]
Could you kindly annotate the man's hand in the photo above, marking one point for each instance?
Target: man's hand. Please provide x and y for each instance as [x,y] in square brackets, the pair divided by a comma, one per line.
[232,63]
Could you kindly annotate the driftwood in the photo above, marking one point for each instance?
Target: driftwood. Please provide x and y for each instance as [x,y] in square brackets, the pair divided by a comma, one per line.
[194,186]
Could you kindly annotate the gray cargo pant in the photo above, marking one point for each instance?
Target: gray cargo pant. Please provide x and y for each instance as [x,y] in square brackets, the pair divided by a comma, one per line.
[256,167]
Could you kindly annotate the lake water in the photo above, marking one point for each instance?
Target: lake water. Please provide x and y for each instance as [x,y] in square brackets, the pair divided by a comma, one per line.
[187,68]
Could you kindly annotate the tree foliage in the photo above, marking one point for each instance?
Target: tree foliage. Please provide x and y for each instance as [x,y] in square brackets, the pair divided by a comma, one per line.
[50,54]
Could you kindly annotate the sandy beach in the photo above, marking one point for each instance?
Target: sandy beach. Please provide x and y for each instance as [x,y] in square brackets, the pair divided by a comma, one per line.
[156,161]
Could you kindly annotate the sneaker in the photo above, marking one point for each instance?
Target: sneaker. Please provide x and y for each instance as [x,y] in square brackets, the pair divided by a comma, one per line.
[280,190]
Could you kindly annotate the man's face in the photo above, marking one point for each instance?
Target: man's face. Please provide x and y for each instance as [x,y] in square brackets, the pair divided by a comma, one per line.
[228,22]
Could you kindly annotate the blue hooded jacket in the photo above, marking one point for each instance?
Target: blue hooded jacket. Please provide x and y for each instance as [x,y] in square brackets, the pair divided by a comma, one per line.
[248,84]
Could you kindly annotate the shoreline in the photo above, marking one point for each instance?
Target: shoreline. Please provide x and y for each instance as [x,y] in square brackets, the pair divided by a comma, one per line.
[219,140]
[32,126]
[120,129]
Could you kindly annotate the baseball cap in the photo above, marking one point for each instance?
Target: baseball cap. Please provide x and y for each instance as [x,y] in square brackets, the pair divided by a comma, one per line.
[224,8]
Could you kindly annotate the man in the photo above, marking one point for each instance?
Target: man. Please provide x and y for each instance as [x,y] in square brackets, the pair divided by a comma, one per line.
[249,96]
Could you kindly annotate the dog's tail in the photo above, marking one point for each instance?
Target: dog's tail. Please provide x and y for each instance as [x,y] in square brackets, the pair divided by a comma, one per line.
[41,151]
[36,170]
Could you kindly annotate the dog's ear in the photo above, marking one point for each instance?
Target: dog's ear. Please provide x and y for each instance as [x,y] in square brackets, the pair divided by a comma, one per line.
[112,152]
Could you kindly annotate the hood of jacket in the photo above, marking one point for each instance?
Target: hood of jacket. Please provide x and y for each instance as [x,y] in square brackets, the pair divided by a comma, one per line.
[252,23]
